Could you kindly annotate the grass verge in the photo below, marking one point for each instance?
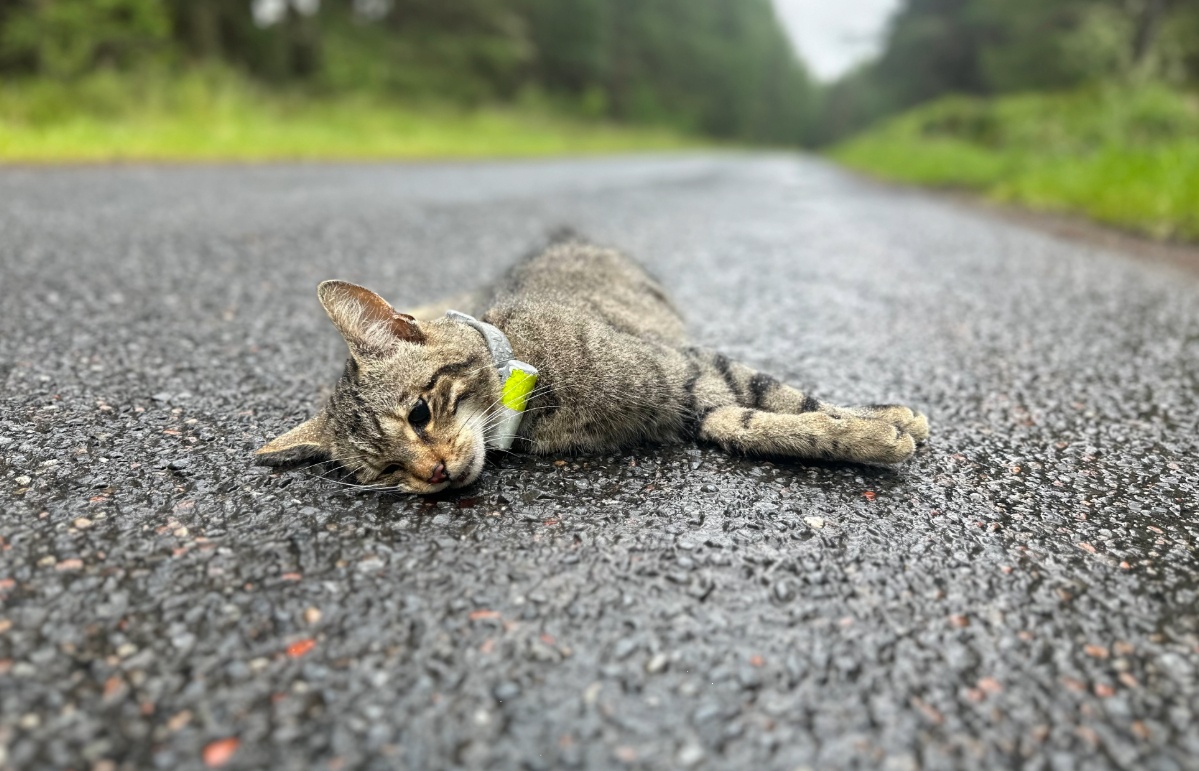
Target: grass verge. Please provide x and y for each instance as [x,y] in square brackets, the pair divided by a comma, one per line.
[213,115]
[1127,157]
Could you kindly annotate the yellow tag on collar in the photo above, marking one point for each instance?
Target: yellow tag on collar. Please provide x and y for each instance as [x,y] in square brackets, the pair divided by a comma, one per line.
[519,382]
[517,387]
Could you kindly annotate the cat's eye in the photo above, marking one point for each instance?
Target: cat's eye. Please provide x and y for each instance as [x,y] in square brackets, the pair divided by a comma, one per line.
[393,468]
[420,415]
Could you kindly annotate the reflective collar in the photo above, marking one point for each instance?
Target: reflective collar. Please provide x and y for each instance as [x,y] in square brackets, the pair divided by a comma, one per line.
[517,380]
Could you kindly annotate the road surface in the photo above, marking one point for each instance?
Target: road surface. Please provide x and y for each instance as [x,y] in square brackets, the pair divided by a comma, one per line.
[1023,592]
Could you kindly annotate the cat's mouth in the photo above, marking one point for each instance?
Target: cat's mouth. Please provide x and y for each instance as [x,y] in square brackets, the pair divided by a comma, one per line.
[468,469]
[455,474]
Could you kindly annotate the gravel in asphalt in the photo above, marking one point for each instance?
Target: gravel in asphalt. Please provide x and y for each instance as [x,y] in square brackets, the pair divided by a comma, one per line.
[1022,594]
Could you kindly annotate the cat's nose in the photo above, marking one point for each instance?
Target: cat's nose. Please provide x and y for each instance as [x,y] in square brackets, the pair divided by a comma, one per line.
[437,474]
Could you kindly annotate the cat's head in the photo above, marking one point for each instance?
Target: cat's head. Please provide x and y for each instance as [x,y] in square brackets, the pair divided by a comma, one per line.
[410,410]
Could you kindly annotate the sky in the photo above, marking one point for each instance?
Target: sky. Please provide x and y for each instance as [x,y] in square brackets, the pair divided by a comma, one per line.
[834,35]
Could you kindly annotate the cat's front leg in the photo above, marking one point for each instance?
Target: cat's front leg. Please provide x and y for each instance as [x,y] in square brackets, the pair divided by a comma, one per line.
[828,434]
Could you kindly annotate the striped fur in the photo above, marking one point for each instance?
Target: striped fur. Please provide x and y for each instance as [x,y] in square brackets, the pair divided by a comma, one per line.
[615,372]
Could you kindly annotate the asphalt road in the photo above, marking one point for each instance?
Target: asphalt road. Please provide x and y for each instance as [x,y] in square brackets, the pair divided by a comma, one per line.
[1024,593]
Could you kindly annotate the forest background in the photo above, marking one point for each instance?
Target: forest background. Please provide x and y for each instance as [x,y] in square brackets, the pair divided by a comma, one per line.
[1086,106]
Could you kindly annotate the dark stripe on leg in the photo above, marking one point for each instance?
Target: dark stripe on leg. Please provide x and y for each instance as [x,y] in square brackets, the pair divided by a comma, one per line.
[760,385]
[694,371]
[724,367]
[810,404]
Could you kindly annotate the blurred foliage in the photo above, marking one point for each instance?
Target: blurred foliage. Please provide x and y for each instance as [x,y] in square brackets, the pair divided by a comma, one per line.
[720,67]
[996,47]
[1124,155]
[723,67]
[1083,106]
[211,112]
[70,37]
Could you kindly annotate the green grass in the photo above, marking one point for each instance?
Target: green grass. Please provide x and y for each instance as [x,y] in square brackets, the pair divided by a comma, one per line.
[213,115]
[1127,157]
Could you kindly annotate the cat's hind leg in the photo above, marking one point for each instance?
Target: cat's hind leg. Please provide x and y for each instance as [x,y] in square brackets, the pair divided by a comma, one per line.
[840,436]
[725,380]
[784,399]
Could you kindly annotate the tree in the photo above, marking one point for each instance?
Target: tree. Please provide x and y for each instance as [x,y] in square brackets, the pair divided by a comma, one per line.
[937,47]
[65,38]
[723,67]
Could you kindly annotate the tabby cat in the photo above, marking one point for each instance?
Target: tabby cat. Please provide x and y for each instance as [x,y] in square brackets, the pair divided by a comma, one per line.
[421,401]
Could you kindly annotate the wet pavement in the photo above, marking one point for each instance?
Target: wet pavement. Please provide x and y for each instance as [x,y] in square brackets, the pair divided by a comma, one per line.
[1023,593]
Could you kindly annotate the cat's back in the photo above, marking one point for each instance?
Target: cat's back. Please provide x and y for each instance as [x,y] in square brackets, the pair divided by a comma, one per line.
[577,281]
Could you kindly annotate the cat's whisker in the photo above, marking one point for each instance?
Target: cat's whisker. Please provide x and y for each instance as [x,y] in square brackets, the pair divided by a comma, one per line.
[367,488]
[342,462]
[483,416]
[355,485]
[498,415]
[329,461]
[494,407]
[497,408]
[333,480]
[494,412]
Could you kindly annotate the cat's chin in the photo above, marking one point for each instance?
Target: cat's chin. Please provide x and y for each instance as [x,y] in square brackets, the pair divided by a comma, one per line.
[471,469]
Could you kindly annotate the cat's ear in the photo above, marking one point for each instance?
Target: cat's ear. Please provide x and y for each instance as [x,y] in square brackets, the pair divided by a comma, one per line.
[370,326]
[306,443]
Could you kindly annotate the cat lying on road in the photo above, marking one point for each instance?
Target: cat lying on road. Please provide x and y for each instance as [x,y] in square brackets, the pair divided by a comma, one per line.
[576,350]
